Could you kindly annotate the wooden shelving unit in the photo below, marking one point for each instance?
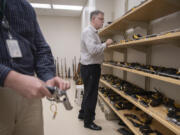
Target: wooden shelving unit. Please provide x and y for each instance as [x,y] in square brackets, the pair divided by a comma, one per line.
[120,114]
[158,113]
[170,37]
[162,78]
[142,13]
[135,130]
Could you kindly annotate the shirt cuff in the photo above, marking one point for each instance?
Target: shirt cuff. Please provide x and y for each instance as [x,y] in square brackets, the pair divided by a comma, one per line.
[4,70]
[47,77]
[104,45]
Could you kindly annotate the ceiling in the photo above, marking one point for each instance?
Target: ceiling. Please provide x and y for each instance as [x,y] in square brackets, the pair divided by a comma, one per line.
[53,12]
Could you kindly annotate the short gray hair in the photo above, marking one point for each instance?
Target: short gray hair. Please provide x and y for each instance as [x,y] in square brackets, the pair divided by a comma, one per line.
[95,13]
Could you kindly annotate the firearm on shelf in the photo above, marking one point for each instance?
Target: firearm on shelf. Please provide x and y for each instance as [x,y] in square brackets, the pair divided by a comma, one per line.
[139,36]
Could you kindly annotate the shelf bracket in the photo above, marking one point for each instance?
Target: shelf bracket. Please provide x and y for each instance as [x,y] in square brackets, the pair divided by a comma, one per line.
[125,56]
[148,62]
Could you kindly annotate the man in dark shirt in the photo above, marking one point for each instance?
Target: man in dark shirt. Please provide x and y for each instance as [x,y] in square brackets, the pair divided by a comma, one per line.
[23,53]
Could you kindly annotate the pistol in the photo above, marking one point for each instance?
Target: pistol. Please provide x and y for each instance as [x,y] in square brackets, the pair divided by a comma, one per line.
[59,96]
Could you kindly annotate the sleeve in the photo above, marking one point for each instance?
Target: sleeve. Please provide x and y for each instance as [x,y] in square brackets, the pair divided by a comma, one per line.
[3,73]
[91,44]
[44,61]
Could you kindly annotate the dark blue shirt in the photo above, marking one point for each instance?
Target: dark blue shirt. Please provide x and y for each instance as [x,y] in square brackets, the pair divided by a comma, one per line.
[37,57]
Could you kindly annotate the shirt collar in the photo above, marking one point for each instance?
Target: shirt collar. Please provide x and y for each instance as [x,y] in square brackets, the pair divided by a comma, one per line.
[94,29]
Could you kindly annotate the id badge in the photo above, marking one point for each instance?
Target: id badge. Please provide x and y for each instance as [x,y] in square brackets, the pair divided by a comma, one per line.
[14,49]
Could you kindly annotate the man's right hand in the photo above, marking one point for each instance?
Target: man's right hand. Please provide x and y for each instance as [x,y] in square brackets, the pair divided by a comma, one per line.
[27,86]
[109,42]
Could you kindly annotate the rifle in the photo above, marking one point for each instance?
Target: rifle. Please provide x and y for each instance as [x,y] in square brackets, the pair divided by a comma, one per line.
[78,69]
[75,77]
[55,63]
[79,80]
[58,72]
[77,73]
[73,67]
[66,75]
[62,75]
[69,73]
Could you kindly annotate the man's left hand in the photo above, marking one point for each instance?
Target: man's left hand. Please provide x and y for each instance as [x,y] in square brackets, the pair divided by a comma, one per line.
[58,82]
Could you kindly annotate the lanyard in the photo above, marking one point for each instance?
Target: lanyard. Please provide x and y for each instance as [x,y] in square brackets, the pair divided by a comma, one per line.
[4,22]
[2,8]
[11,44]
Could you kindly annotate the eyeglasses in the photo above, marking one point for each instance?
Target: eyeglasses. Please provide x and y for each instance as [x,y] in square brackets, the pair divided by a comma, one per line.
[102,19]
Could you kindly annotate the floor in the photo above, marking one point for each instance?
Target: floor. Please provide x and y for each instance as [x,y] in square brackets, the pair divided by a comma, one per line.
[66,122]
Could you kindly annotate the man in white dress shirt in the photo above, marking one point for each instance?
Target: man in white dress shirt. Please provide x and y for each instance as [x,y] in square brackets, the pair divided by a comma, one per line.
[91,59]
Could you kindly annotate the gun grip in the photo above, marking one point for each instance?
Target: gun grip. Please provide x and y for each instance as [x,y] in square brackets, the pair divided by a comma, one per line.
[51,89]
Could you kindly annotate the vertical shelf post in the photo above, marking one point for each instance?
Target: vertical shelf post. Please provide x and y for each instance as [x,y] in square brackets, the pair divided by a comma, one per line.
[125,60]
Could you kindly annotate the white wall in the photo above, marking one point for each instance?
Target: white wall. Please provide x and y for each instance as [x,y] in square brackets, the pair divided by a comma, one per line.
[107,7]
[133,3]
[63,36]
[119,8]
[104,5]
[85,17]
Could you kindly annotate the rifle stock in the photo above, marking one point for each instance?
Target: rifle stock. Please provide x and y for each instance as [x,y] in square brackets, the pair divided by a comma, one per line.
[62,75]
[66,74]
[58,72]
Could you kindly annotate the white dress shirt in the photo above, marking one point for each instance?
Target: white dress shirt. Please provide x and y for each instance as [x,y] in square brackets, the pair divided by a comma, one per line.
[91,47]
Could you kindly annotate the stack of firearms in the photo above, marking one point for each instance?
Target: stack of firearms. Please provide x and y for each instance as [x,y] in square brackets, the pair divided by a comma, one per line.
[76,73]
[139,36]
[63,72]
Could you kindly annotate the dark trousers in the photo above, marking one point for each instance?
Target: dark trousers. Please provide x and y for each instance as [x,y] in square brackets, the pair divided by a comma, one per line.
[90,75]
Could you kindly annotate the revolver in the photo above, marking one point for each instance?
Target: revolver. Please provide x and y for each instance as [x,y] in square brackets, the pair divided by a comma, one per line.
[59,96]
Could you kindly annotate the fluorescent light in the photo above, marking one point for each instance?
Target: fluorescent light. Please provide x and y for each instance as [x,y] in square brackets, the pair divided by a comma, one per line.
[39,5]
[68,7]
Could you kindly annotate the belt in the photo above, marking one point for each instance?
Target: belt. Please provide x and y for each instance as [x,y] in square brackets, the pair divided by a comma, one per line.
[91,65]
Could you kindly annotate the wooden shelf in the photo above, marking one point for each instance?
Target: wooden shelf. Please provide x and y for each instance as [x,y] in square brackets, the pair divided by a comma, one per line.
[162,78]
[120,114]
[171,37]
[150,10]
[144,13]
[158,113]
